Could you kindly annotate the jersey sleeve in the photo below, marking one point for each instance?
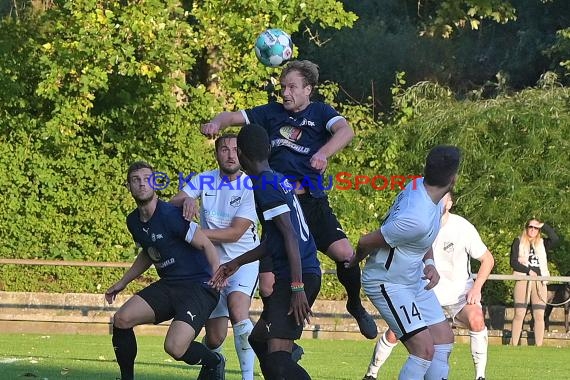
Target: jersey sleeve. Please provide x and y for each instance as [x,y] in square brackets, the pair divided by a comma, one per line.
[331,116]
[246,209]
[193,188]
[257,115]
[192,227]
[177,224]
[400,230]
[475,246]
[271,201]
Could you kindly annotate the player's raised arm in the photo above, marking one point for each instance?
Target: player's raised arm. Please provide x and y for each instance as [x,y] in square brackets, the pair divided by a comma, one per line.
[342,135]
[221,121]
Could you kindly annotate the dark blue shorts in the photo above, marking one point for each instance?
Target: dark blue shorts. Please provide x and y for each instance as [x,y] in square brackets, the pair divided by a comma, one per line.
[181,300]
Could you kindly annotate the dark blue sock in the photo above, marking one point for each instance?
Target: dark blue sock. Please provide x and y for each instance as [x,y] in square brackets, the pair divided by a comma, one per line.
[279,366]
[125,346]
[198,353]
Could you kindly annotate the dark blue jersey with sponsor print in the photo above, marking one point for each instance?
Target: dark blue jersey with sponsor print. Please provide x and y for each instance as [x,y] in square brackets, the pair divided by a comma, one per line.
[273,197]
[295,137]
[165,240]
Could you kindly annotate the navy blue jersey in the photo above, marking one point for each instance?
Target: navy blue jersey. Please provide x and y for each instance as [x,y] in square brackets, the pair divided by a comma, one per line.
[274,196]
[163,238]
[295,137]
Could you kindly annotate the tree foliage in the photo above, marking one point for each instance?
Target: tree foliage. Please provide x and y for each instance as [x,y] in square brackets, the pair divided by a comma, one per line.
[88,86]
[514,164]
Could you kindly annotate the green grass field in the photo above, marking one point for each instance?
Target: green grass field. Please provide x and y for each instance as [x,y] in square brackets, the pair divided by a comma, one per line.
[27,356]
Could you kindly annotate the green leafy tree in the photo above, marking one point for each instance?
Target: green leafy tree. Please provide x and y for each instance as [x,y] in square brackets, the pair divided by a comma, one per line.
[88,86]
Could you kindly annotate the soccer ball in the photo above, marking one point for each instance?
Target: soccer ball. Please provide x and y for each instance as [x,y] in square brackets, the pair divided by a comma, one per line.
[273,47]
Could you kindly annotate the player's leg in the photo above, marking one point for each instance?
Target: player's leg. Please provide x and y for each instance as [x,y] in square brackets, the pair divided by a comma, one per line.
[443,338]
[331,240]
[239,301]
[538,300]
[282,330]
[472,317]
[520,304]
[193,306]
[382,350]
[136,311]
[216,333]
[217,324]
[216,329]
[396,303]
[440,330]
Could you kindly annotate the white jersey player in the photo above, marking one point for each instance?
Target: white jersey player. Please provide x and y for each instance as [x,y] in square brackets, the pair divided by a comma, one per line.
[401,257]
[459,295]
[228,218]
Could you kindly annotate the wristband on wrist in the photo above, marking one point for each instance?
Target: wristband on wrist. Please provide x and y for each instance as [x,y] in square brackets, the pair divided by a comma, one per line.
[429,262]
[297,287]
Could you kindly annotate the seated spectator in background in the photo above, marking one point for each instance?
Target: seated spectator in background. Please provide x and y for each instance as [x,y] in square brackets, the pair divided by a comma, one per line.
[528,257]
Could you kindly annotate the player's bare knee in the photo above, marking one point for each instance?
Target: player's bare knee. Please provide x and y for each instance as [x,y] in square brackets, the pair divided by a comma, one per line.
[426,352]
[121,320]
[265,289]
[174,350]
[215,340]
[477,323]
[237,315]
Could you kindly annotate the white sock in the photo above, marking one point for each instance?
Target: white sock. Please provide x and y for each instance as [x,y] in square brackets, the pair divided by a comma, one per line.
[479,344]
[439,368]
[244,351]
[382,351]
[414,368]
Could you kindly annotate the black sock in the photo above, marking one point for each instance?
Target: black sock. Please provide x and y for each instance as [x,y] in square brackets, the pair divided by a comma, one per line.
[280,366]
[260,349]
[350,279]
[125,346]
[198,353]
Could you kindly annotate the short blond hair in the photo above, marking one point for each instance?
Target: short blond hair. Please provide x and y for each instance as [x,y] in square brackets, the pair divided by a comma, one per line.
[308,70]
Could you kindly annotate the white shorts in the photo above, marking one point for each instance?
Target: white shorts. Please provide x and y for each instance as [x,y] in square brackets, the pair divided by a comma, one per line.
[407,309]
[244,280]
[451,312]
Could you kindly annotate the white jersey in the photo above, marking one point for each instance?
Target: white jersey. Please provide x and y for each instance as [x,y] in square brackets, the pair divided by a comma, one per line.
[221,202]
[457,242]
[409,229]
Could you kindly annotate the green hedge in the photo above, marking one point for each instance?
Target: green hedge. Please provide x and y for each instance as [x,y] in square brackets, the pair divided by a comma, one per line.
[515,166]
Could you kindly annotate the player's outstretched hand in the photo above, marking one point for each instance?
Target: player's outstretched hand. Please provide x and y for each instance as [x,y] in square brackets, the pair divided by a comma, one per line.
[354,260]
[430,274]
[190,209]
[210,129]
[220,278]
[112,292]
[319,162]
[300,308]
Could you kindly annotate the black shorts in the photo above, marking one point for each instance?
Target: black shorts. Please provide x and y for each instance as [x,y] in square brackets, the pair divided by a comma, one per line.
[266,264]
[322,221]
[182,300]
[276,307]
